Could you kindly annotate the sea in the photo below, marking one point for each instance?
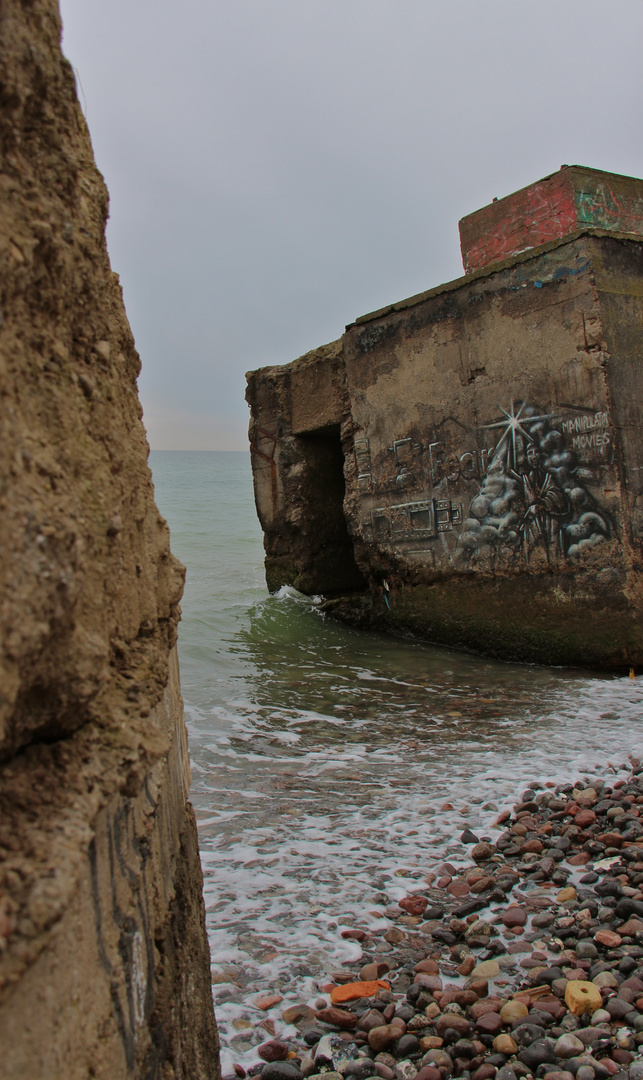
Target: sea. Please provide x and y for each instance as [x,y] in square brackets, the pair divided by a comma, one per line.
[333,768]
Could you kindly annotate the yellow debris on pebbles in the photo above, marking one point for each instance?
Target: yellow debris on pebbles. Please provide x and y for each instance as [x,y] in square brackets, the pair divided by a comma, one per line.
[582,997]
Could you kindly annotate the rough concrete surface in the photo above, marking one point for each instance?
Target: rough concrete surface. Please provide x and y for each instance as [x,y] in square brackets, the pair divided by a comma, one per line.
[298,470]
[490,435]
[104,965]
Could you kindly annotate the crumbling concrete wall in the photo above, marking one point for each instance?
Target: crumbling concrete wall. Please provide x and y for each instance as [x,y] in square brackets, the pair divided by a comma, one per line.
[300,414]
[491,439]
[498,469]
[104,964]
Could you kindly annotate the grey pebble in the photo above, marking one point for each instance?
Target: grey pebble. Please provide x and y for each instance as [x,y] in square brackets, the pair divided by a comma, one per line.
[586,1072]
[283,1070]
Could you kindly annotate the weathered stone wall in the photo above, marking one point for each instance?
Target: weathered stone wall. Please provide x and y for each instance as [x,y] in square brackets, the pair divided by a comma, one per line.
[492,457]
[104,965]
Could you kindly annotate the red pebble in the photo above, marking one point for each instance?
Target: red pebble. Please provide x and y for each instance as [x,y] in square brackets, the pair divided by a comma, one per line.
[608,938]
[584,818]
[429,1072]
[514,916]
[490,1024]
[463,998]
[274,1050]
[611,839]
[340,1018]
[484,1072]
[458,888]
[610,1065]
[487,1005]
[452,1020]
[354,935]
[428,982]
[622,1056]
[555,1008]
[429,967]
[580,859]
[415,905]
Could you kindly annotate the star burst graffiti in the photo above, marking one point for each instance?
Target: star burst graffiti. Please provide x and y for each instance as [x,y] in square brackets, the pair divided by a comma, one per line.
[514,431]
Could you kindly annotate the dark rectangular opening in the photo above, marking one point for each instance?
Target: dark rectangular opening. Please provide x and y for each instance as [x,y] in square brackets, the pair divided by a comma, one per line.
[330,558]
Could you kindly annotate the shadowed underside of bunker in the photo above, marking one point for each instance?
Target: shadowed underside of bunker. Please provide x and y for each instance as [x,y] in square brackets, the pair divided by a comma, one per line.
[467,464]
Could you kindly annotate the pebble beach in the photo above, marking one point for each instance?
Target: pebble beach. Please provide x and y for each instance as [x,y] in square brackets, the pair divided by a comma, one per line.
[525,960]
[337,773]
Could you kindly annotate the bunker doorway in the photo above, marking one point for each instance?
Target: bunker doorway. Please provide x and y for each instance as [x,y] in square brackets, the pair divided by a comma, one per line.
[330,558]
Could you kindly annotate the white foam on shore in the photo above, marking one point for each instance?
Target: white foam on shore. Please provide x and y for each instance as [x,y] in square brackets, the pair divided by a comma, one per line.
[301,836]
[322,756]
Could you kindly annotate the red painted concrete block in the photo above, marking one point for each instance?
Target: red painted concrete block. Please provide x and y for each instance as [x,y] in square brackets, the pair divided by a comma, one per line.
[572,199]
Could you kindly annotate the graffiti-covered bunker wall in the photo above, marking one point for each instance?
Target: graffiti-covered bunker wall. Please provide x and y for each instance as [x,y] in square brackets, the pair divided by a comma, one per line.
[467,464]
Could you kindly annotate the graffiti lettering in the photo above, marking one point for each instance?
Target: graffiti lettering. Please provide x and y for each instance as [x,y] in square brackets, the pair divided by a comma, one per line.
[585,423]
[456,466]
[468,465]
[598,440]
[452,464]
[362,450]
[436,464]
[484,454]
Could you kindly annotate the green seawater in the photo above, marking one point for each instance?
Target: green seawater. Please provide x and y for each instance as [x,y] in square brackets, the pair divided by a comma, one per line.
[332,767]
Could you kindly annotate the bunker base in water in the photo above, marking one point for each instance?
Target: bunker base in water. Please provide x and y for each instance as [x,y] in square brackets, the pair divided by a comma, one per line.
[467,463]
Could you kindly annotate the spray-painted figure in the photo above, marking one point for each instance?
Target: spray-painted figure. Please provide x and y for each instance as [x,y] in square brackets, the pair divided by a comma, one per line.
[533,494]
[546,504]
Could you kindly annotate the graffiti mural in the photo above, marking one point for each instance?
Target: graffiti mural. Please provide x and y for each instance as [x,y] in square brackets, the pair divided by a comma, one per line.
[533,495]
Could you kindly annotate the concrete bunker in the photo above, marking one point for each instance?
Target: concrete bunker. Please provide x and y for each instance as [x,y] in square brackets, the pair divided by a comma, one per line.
[491,437]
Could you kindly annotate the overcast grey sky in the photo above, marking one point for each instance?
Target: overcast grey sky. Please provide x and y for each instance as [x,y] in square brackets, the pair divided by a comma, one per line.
[279,167]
